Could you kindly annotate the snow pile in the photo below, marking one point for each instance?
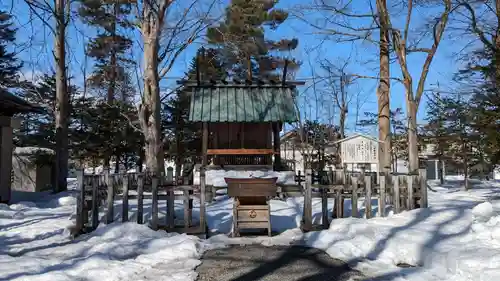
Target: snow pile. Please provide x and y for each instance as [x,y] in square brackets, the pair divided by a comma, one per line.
[36,246]
[457,238]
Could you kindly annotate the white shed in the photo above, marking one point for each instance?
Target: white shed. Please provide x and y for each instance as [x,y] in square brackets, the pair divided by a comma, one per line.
[359,149]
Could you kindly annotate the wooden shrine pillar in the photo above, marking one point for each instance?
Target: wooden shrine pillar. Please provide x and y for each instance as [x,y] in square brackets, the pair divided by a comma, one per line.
[204,163]
[277,146]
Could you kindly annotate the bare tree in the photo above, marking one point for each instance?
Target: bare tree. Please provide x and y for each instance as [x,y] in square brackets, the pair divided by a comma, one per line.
[152,20]
[400,45]
[339,83]
[60,11]
[383,90]
[339,24]
[155,30]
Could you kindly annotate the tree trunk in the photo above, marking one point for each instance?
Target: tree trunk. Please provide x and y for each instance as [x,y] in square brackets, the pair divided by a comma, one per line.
[149,111]
[412,138]
[62,100]
[343,115]
[440,170]
[465,163]
[497,46]
[112,60]
[117,163]
[140,161]
[383,92]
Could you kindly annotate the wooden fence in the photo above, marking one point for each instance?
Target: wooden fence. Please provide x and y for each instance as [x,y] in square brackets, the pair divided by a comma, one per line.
[403,192]
[101,191]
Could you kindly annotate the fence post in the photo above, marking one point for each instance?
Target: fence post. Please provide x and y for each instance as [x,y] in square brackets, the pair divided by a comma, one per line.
[140,198]
[95,200]
[423,188]
[354,197]
[397,197]
[307,216]
[345,188]
[125,198]
[410,182]
[154,209]
[81,202]
[190,201]
[170,176]
[171,204]
[187,214]
[381,199]
[110,198]
[368,197]
[324,206]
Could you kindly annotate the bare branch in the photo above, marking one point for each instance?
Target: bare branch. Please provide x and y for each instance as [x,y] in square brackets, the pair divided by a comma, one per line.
[439,28]
[480,33]
[408,19]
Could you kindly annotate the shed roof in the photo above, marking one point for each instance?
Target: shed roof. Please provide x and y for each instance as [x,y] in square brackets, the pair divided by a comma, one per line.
[11,104]
[241,103]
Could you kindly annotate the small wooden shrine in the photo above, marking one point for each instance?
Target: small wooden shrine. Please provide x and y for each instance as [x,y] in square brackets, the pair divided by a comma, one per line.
[241,122]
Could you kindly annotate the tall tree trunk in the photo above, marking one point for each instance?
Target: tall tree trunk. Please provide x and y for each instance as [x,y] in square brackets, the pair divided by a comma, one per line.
[112,60]
[497,47]
[117,163]
[149,111]
[140,161]
[383,92]
[465,164]
[62,100]
[412,137]
[112,75]
[440,169]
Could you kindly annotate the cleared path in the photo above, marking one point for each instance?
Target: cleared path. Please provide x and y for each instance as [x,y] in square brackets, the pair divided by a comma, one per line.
[276,263]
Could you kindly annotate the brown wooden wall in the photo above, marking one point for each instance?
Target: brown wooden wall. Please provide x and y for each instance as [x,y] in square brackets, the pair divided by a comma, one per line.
[240,135]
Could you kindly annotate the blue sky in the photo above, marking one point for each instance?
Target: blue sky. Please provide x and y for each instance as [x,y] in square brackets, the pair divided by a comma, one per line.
[35,43]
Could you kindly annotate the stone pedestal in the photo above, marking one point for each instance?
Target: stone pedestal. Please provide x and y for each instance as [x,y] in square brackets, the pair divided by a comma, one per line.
[32,169]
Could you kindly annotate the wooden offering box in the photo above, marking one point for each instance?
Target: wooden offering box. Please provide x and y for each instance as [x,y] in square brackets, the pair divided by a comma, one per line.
[251,209]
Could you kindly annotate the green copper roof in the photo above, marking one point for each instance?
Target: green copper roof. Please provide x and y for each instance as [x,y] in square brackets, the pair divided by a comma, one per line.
[243,104]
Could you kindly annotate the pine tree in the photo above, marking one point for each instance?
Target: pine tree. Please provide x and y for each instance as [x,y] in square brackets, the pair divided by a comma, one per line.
[108,48]
[39,129]
[246,51]
[9,64]
[482,71]
[435,130]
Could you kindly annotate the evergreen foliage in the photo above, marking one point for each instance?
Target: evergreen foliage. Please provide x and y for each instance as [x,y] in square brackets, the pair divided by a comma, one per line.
[9,64]
[242,42]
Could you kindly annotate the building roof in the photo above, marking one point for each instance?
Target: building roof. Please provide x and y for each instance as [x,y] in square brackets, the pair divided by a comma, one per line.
[243,103]
[357,136]
[11,104]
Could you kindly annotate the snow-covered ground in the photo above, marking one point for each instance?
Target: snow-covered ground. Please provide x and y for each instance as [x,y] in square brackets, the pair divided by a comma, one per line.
[456,238]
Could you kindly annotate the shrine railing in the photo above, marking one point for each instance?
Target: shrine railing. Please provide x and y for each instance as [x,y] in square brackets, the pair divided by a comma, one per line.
[229,160]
